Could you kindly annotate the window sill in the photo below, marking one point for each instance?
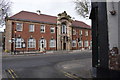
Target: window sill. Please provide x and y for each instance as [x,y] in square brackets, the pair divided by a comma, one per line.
[42,32]
[19,31]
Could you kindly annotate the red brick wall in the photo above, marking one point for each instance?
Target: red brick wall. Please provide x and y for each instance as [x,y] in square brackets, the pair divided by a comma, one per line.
[75,37]
[37,35]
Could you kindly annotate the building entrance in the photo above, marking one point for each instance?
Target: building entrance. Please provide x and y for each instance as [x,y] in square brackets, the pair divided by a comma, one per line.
[64,46]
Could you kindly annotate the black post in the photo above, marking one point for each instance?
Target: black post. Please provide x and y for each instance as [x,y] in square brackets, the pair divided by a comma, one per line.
[100,41]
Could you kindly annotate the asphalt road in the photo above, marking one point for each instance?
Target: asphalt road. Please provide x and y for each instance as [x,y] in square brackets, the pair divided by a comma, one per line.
[42,66]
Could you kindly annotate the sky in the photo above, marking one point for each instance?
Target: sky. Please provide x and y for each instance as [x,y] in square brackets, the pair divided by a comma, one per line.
[48,7]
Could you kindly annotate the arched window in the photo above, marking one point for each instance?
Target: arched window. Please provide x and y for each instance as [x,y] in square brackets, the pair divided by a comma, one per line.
[18,42]
[31,43]
[64,29]
[73,43]
[86,43]
[80,43]
[42,43]
[52,43]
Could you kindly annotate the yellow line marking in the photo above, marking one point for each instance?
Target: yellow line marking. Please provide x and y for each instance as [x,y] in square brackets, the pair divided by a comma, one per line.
[11,73]
[70,75]
[14,72]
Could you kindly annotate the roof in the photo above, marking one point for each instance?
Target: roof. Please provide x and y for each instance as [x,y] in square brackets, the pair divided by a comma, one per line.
[30,16]
[80,24]
[42,18]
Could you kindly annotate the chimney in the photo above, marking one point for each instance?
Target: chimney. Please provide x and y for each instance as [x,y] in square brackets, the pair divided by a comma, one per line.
[38,12]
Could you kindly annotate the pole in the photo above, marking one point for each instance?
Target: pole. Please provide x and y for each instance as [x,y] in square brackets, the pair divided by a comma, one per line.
[15,44]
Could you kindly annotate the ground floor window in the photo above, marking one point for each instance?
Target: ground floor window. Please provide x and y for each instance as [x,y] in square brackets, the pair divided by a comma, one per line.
[86,44]
[80,43]
[52,43]
[18,42]
[31,43]
[74,43]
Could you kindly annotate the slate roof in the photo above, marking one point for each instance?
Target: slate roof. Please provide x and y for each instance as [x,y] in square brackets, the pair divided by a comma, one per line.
[42,18]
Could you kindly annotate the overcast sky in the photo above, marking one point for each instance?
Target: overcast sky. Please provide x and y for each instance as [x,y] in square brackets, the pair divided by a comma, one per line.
[49,7]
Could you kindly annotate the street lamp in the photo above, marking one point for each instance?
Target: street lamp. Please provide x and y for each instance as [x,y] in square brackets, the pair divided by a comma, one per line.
[15,41]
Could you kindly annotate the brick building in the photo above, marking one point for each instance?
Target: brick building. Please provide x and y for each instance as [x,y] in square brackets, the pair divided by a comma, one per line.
[40,31]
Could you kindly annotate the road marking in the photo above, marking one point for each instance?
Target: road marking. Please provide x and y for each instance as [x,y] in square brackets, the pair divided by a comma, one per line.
[14,73]
[71,76]
[11,73]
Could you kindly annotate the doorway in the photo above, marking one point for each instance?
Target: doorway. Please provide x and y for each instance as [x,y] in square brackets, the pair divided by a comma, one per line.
[64,46]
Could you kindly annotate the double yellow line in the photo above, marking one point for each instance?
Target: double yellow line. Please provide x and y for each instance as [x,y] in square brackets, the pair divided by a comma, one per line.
[71,76]
[11,73]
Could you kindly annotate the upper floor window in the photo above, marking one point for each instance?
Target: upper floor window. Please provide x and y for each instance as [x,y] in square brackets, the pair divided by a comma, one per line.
[52,30]
[52,43]
[74,32]
[42,28]
[31,28]
[80,32]
[31,43]
[19,26]
[86,33]
[64,29]
[74,43]
[18,42]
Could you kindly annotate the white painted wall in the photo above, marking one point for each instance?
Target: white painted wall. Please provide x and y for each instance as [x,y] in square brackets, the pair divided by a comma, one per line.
[113,25]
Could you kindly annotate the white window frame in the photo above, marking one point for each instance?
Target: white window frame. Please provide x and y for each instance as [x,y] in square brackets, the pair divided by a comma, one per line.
[19,26]
[52,43]
[31,43]
[81,32]
[74,32]
[91,43]
[64,29]
[80,42]
[86,33]
[18,42]
[31,28]
[52,28]
[74,42]
[42,28]
[86,43]
[44,43]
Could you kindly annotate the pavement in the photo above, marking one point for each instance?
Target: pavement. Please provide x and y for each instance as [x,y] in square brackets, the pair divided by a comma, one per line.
[80,69]
[4,54]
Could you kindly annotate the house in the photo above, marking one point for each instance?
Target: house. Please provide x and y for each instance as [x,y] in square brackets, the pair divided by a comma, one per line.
[35,32]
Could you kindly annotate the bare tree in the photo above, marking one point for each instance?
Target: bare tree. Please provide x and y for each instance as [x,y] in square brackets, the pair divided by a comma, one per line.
[83,7]
[4,11]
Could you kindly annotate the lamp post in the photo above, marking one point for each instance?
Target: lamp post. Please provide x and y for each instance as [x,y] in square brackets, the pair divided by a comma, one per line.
[15,41]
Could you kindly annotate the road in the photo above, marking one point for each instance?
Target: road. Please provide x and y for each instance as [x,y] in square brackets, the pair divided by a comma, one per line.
[42,66]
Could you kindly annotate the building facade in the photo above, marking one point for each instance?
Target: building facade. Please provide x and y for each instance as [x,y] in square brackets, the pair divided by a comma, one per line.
[35,32]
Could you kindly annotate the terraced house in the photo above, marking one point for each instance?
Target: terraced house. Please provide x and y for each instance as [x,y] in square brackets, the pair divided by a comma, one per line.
[35,32]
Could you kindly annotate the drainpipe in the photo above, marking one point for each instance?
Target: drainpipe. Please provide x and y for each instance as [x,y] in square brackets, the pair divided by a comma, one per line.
[56,38]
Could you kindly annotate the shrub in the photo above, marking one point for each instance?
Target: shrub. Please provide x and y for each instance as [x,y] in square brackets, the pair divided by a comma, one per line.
[7,51]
